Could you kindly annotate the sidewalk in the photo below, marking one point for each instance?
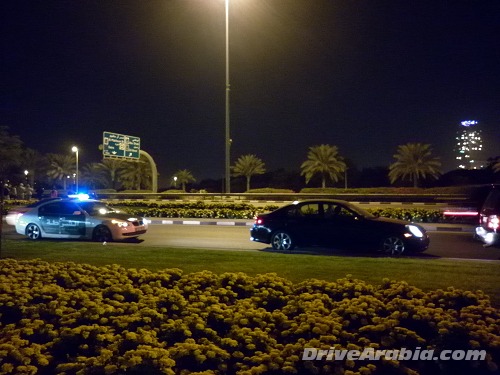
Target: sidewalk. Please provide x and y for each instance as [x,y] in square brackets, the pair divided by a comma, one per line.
[439,227]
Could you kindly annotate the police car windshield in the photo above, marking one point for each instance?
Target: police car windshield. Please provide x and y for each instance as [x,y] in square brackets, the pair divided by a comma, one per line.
[96,208]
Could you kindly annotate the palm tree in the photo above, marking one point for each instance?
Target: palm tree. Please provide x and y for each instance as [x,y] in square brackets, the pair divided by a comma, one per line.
[10,153]
[248,166]
[34,162]
[184,177]
[325,160]
[136,175]
[60,167]
[111,169]
[93,175]
[414,161]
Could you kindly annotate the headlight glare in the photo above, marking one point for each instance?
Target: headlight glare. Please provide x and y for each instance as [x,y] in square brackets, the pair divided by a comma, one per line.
[120,223]
[415,231]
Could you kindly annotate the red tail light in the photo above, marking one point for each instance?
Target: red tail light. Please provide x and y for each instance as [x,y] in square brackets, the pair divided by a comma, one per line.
[493,222]
[259,221]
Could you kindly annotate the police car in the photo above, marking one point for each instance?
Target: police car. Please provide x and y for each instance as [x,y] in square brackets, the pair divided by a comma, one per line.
[79,218]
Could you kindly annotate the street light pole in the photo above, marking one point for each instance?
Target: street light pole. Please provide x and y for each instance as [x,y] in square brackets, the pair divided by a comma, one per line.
[75,150]
[228,134]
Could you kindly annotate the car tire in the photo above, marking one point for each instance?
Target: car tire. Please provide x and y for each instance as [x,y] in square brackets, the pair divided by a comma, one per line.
[102,234]
[33,232]
[281,240]
[392,245]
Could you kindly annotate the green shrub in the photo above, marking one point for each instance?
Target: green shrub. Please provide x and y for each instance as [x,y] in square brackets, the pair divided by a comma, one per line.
[198,209]
[65,318]
[418,215]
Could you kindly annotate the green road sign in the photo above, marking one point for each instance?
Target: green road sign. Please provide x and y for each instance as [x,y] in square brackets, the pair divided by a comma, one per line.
[120,146]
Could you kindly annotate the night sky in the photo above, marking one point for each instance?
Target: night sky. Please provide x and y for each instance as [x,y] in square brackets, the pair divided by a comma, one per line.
[364,75]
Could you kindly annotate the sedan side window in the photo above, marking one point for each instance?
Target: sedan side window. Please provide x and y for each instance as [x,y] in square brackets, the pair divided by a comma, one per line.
[337,211]
[492,201]
[69,208]
[50,209]
[309,210]
[293,212]
[331,210]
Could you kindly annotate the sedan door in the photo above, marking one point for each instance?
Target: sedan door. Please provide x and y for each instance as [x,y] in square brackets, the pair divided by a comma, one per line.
[342,227]
[304,223]
[48,217]
[72,220]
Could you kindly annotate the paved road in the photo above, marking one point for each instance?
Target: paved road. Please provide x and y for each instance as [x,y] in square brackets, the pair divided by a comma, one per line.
[228,236]
[443,244]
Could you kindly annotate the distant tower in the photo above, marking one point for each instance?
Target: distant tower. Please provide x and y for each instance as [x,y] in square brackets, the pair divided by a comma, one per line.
[469,146]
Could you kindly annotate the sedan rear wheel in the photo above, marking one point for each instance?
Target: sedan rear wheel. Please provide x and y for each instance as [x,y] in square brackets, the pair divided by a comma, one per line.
[33,232]
[282,241]
[393,245]
[102,234]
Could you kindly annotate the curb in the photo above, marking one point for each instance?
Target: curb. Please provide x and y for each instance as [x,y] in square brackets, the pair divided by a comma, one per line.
[448,228]
[221,222]
[249,223]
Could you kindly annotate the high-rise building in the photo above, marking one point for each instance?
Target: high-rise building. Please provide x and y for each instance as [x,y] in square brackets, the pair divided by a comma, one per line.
[469,146]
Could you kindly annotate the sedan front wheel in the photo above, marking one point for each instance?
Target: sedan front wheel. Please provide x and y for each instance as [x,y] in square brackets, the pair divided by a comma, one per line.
[282,241]
[393,245]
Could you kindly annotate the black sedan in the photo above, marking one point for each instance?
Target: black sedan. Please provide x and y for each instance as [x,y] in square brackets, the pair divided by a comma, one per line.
[336,223]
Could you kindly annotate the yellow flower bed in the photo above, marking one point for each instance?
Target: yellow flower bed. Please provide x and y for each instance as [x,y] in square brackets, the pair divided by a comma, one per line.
[67,318]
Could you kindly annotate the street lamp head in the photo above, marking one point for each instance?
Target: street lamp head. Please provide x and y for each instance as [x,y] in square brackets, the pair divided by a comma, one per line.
[26,172]
[75,175]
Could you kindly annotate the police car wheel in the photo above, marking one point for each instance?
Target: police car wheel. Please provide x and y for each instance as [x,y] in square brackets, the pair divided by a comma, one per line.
[33,232]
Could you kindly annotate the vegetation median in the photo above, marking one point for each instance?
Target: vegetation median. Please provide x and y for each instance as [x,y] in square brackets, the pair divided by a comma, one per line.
[68,318]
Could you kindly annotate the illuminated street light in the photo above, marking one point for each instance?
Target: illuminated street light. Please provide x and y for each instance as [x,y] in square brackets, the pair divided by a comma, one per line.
[228,135]
[75,150]
[26,174]
[175,182]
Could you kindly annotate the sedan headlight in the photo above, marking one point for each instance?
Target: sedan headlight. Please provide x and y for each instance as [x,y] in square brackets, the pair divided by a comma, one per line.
[415,231]
[120,223]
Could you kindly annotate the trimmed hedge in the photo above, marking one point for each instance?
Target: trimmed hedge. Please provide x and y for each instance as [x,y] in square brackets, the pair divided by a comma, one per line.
[198,209]
[393,190]
[271,190]
[66,318]
[204,210]
[417,215]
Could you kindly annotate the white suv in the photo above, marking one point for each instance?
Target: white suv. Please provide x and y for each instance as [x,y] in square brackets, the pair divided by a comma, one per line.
[488,230]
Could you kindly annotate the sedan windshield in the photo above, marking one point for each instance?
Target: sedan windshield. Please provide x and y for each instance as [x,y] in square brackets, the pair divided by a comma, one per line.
[96,208]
